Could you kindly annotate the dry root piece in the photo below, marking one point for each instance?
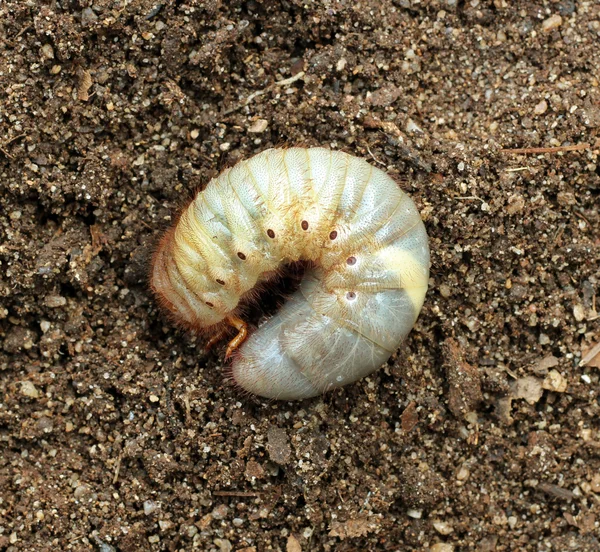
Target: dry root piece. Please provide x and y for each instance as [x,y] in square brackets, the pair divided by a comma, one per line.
[464,383]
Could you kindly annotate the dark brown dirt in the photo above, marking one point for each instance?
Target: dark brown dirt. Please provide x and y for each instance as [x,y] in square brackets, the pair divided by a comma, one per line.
[118,433]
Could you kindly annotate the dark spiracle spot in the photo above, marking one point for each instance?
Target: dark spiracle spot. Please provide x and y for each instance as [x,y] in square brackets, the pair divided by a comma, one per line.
[241,256]
[209,304]
[270,233]
[333,235]
[351,261]
[221,282]
[304,225]
[351,295]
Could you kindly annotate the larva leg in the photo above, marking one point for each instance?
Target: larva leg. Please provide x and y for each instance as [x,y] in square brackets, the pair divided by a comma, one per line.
[215,339]
[242,329]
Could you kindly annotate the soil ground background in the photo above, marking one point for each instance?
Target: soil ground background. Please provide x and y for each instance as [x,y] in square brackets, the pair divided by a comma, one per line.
[120,433]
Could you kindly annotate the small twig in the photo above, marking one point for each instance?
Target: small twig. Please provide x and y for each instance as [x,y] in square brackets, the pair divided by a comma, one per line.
[117,469]
[517,169]
[557,149]
[374,158]
[591,354]
[236,493]
[10,142]
[283,82]
[471,197]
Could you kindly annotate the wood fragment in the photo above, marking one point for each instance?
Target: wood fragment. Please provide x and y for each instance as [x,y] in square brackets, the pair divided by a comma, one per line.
[117,469]
[556,491]
[240,494]
[591,354]
[556,149]
[84,85]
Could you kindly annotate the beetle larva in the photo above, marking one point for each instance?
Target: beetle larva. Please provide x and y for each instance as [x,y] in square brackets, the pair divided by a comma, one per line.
[368,251]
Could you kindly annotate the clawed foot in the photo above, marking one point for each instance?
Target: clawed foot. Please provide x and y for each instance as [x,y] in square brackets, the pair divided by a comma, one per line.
[236,342]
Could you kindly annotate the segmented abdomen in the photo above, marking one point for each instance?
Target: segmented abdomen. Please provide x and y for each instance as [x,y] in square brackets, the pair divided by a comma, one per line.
[363,234]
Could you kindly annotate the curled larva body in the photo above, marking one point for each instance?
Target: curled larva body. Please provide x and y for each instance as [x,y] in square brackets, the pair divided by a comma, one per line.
[366,243]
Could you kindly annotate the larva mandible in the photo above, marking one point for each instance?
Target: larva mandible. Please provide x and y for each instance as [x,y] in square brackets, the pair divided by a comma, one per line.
[369,255]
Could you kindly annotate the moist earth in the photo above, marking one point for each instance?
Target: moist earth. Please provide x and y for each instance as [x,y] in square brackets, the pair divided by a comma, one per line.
[119,432]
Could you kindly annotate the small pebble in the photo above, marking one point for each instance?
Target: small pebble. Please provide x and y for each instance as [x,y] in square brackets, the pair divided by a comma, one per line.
[442,527]
[258,126]
[55,301]
[555,381]
[553,22]
[29,390]
[47,51]
[578,312]
[541,108]
[220,512]
[150,507]
[442,547]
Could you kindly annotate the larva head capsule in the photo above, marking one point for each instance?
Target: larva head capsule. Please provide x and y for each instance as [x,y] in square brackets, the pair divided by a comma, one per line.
[359,231]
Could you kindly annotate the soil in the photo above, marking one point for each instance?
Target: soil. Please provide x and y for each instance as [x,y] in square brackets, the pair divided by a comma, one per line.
[120,433]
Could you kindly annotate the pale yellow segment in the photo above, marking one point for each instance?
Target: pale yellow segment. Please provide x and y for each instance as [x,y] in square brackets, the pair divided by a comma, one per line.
[414,276]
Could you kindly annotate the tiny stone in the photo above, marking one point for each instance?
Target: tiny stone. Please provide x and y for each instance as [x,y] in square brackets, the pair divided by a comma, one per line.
[88,16]
[441,547]
[56,69]
[29,390]
[566,198]
[595,483]
[154,398]
[462,474]
[553,22]
[237,522]
[224,146]
[258,126]
[578,312]
[164,525]
[220,512]
[55,301]
[445,291]
[442,527]
[293,545]
[413,127]
[150,507]
[555,381]
[47,51]
[194,134]
[516,203]
[153,539]
[224,545]
[44,326]
[416,514]
[81,491]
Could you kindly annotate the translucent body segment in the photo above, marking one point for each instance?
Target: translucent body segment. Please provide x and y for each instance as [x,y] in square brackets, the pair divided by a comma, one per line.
[390,317]
[315,353]
[263,367]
